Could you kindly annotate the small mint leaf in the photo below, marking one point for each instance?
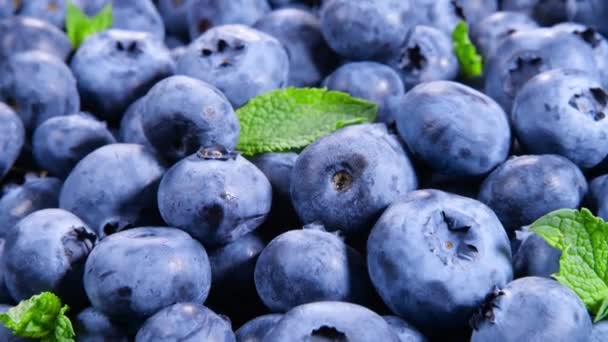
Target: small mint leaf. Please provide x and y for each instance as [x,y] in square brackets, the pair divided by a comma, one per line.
[602,312]
[79,26]
[471,63]
[583,265]
[292,118]
[42,317]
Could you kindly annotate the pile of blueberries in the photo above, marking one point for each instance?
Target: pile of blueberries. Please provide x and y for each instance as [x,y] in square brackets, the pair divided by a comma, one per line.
[123,194]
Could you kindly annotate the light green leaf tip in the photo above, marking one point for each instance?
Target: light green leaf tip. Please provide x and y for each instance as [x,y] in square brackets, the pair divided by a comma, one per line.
[42,317]
[583,265]
[290,119]
[79,26]
[471,63]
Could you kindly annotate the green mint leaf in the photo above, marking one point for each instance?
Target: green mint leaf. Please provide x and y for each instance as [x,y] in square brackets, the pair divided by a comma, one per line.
[42,317]
[583,266]
[292,118]
[79,26]
[471,63]
[602,312]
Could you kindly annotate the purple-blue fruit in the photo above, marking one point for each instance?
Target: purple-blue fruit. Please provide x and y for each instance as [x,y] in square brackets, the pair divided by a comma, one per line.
[20,34]
[92,325]
[256,329]
[12,138]
[113,187]
[133,274]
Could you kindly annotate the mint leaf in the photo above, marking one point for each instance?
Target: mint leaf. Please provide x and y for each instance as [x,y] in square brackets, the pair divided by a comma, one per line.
[471,63]
[583,266]
[289,119]
[42,317]
[79,26]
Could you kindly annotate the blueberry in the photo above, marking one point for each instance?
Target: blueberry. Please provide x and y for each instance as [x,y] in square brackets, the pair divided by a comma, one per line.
[185,321]
[371,81]
[5,296]
[595,40]
[256,329]
[112,187]
[445,14]
[240,61]
[546,12]
[215,195]
[599,333]
[52,11]
[366,29]
[300,32]
[525,188]
[61,142]
[346,179]
[20,34]
[433,256]
[180,114]
[131,126]
[5,334]
[175,16]
[592,13]
[277,167]
[46,251]
[115,67]
[427,55]
[132,15]
[133,274]
[7,8]
[455,129]
[309,265]
[38,86]
[12,138]
[92,325]
[598,195]
[331,321]
[535,257]
[525,54]
[563,111]
[232,265]
[489,32]
[532,309]
[405,331]
[205,14]
[34,194]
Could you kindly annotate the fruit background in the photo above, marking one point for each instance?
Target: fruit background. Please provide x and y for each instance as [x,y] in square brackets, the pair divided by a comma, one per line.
[300,170]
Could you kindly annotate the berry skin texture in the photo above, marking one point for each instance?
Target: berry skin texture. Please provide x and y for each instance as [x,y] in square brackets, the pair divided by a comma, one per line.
[533,309]
[185,322]
[46,251]
[215,195]
[181,113]
[331,321]
[113,187]
[346,179]
[131,275]
[433,257]
[240,61]
[300,33]
[61,142]
[38,86]
[256,329]
[41,36]
[372,81]
[12,138]
[366,29]
[92,325]
[308,265]
[206,14]
[524,188]
[34,194]
[563,111]
[453,128]
[115,67]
